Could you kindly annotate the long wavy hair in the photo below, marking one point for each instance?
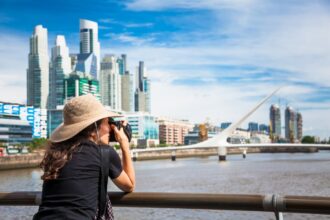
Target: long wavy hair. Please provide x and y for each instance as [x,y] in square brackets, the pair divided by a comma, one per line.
[58,154]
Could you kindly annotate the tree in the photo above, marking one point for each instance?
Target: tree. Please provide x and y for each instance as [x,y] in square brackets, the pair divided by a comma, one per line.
[308,140]
[38,143]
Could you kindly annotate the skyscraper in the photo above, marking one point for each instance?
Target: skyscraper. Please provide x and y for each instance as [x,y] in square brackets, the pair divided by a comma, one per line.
[290,124]
[89,44]
[142,92]
[38,70]
[60,67]
[122,64]
[127,92]
[275,121]
[110,82]
[299,126]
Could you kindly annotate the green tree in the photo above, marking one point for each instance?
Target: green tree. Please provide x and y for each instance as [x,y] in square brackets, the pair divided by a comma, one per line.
[308,140]
[38,143]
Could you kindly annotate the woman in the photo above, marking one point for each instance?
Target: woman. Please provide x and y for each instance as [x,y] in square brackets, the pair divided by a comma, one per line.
[72,162]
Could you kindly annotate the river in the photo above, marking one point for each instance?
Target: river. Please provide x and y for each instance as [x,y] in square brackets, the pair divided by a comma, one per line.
[282,173]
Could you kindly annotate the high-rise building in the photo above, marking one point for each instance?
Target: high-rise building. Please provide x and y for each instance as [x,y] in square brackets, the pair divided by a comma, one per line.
[122,64]
[60,67]
[299,126]
[89,44]
[38,70]
[142,92]
[290,124]
[127,92]
[110,81]
[78,83]
[275,121]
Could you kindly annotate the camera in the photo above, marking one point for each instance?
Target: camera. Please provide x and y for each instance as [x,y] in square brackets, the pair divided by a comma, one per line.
[127,130]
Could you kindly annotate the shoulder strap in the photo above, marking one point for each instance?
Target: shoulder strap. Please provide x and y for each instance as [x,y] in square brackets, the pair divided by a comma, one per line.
[104,151]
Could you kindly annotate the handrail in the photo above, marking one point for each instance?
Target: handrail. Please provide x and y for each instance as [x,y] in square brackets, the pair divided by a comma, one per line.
[243,202]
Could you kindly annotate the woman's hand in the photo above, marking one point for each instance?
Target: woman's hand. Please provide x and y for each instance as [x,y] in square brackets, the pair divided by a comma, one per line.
[120,134]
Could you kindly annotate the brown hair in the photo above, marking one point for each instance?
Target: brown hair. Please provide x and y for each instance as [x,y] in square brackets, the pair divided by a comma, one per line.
[58,154]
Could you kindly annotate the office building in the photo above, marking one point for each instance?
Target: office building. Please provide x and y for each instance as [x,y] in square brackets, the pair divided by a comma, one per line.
[110,82]
[275,122]
[290,124]
[78,83]
[60,67]
[225,125]
[38,69]
[299,126]
[127,92]
[145,130]
[142,92]
[89,48]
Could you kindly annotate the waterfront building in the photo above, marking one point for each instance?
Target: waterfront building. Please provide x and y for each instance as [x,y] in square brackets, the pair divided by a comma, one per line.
[60,67]
[78,83]
[275,122]
[145,130]
[110,82]
[290,124]
[299,126]
[36,117]
[225,125]
[14,130]
[38,69]
[172,132]
[127,92]
[142,92]
[253,126]
[89,48]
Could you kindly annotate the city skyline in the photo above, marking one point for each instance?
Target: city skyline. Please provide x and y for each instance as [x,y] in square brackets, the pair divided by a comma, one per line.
[195,55]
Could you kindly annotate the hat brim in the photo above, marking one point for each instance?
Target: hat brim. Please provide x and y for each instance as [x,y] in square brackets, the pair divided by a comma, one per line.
[64,132]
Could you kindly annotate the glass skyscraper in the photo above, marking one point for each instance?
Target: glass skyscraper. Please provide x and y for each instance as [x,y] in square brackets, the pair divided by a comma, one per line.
[60,67]
[38,70]
[275,121]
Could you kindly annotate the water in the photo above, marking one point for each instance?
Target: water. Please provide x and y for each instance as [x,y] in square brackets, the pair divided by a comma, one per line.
[284,174]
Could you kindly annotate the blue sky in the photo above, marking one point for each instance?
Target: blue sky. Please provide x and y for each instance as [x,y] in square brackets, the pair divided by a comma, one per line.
[208,60]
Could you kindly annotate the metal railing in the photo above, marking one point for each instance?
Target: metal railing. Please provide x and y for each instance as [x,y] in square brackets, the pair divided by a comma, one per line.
[242,202]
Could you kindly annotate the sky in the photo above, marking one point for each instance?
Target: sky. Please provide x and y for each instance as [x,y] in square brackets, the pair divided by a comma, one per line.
[210,60]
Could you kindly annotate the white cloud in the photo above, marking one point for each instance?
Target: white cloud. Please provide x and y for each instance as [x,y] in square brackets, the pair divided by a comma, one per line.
[14,60]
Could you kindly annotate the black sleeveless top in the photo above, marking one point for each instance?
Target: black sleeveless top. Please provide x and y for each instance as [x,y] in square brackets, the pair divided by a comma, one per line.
[74,194]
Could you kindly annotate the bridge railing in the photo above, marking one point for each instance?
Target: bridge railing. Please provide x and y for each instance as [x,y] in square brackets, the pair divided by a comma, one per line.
[242,202]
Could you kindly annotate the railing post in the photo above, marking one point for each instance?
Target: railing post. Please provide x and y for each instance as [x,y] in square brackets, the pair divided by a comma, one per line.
[222,152]
[173,157]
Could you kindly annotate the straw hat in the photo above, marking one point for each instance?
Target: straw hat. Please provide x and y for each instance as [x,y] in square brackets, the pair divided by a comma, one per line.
[79,113]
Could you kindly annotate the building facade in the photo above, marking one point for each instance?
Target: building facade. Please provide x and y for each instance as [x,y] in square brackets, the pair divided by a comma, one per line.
[145,130]
[290,124]
[253,127]
[172,132]
[38,69]
[89,47]
[143,90]
[127,92]
[78,83]
[110,82]
[59,69]
[299,127]
[275,122]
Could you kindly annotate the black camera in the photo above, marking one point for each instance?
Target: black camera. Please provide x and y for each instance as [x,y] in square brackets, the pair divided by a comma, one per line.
[127,130]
